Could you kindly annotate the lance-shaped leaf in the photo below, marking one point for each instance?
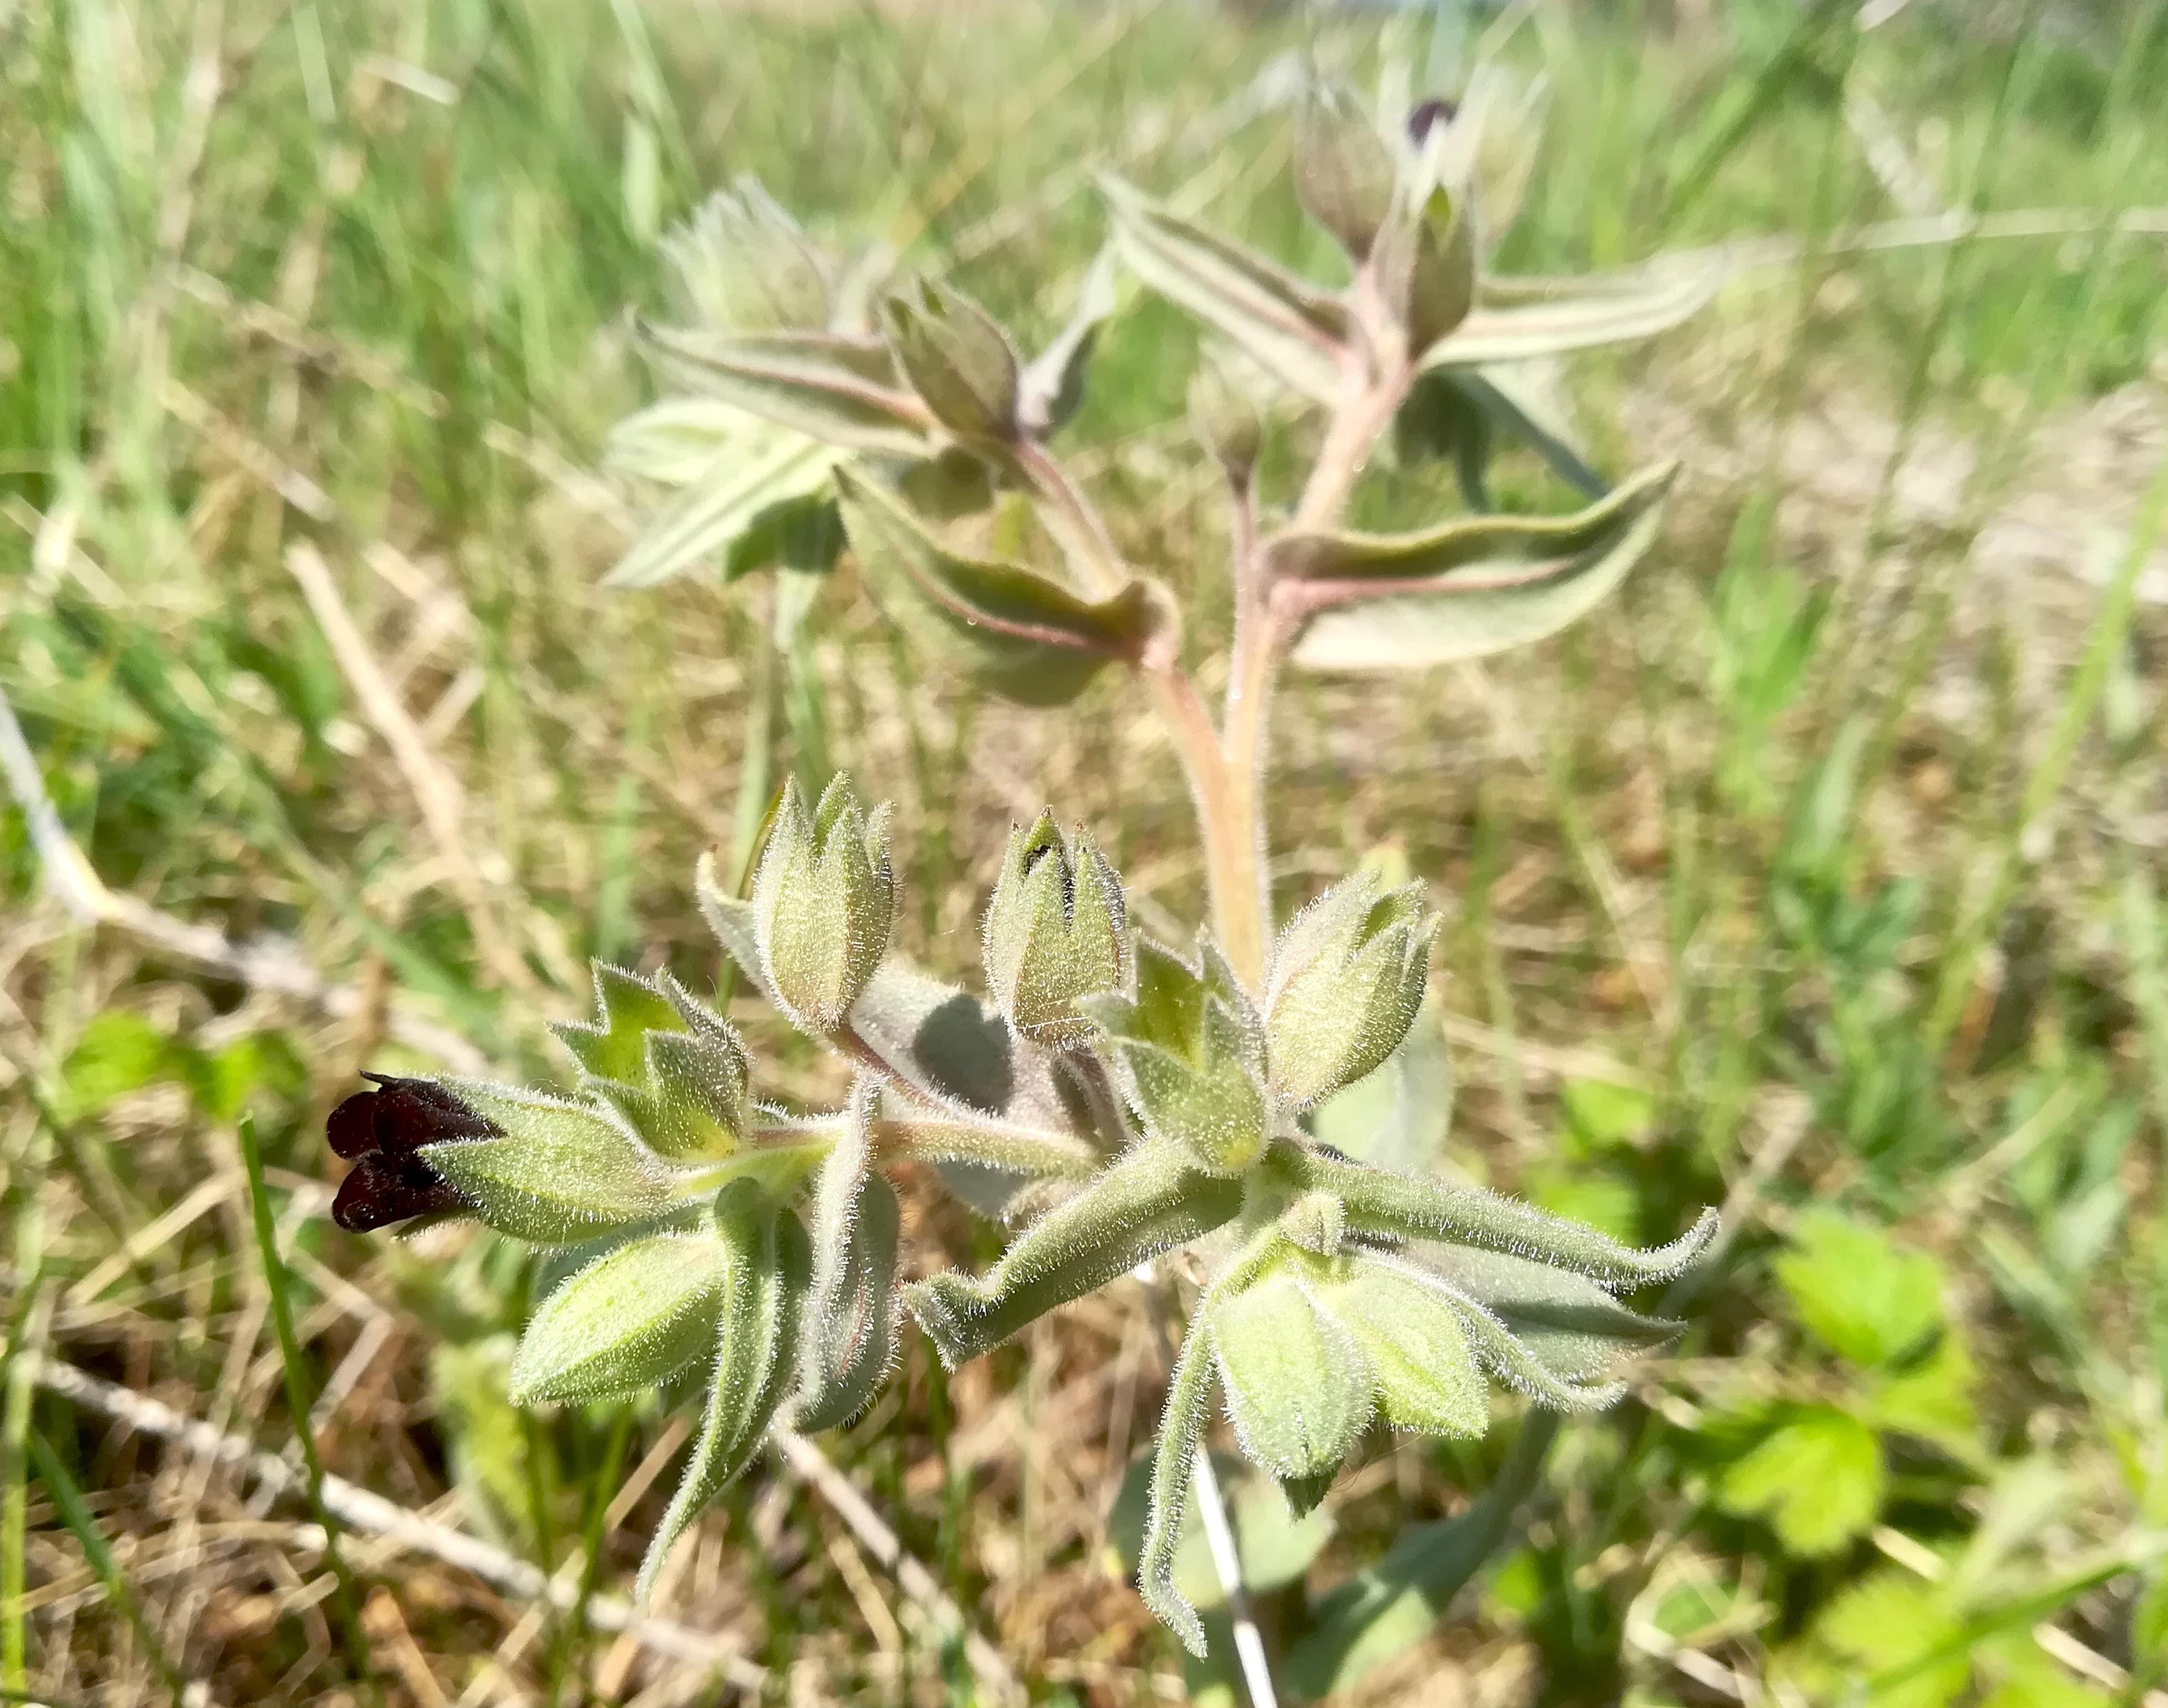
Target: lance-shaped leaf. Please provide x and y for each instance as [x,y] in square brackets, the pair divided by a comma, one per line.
[1174,1463]
[1296,331]
[629,1320]
[1299,1388]
[726,507]
[1517,320]
[1573,1328]
[676,440]
[1052,388]
[767,1269]
[1408,1207]
[849,1338]
[1025,636]
[1416,1349]
[841,390]
[1151,1200]
[1472,588]
[558,1172]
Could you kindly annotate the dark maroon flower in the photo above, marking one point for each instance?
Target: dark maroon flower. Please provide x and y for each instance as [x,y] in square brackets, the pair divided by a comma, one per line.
[381,1132]
[1429,113]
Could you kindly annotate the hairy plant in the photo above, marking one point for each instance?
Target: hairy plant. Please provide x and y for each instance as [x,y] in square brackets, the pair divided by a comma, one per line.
[1115,1100]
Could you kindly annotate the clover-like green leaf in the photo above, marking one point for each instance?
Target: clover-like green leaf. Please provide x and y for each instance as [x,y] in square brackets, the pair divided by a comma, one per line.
[558,1172]
[767,1269]
[841,390]
[1024,635]
[1818,1477]
[1298,1387]
[1297,331]
[1472,588]
[1149,1201]
[631,1320]
[1410,1207]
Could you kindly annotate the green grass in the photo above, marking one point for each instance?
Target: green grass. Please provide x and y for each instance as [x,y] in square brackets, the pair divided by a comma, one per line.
[1852,869]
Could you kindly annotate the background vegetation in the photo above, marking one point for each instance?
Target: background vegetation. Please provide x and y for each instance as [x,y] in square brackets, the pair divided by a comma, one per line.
[1821,873]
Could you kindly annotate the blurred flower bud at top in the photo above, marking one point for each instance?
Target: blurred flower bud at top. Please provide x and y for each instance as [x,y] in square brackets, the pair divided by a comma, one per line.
[957,358]
[1224,415]
[1056,930]
[1343,168]
[744,265]
[1347,975]
[824,900]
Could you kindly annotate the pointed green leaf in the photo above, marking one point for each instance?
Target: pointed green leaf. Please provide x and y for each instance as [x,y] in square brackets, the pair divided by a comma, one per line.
[1297,331]
[1413,1208]
[679,440]
[1517,320]
[849,1338]
[560,1172]
[1053,384]
[841,390]
[1150,1199]
[1572,1326]
[1025,636]
[629,1320]
[1174,1462]
[722,508]
[1468,589]
[767,1266]
[1299,1389]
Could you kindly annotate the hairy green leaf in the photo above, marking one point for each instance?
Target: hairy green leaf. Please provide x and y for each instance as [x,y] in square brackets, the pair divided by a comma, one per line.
[1572,1326]
[768,1267]
[732,504]
[630,1320]
[1417,1352]
[1149,1201]
[1296,332]
[1027,637]
[1517,320]
[1471,587]
[848,1340]
[841,390]
[1174,1461]
[1413,1208]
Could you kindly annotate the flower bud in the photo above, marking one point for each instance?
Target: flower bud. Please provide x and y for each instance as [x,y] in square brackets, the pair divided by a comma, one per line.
[1188,1052]
[1426,257]
[823,900]
[744,265]
[1299,1388]
[1343,169]
[957,358]
[1056,930]
[1225,417]
[1347,975]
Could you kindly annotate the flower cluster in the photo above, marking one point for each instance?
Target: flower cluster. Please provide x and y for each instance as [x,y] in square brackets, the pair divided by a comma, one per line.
[1151,1097]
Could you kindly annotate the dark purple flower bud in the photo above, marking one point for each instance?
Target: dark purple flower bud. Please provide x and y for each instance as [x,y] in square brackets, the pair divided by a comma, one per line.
[381,1133]
[1431,112]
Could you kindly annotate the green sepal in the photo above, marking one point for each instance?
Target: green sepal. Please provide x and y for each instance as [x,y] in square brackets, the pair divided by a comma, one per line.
[1348,976]
[957,358]
[1149,1201]
[1174,1463]
[1417,1351]
[627,1008]
[560,1172]
[767,1268]
[1056,930]
[1188,1053]
[1409,1207]
[1024,636]
[670,1066]
[849,1340]
[824,902]
[1299,1388]
[632,1319]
